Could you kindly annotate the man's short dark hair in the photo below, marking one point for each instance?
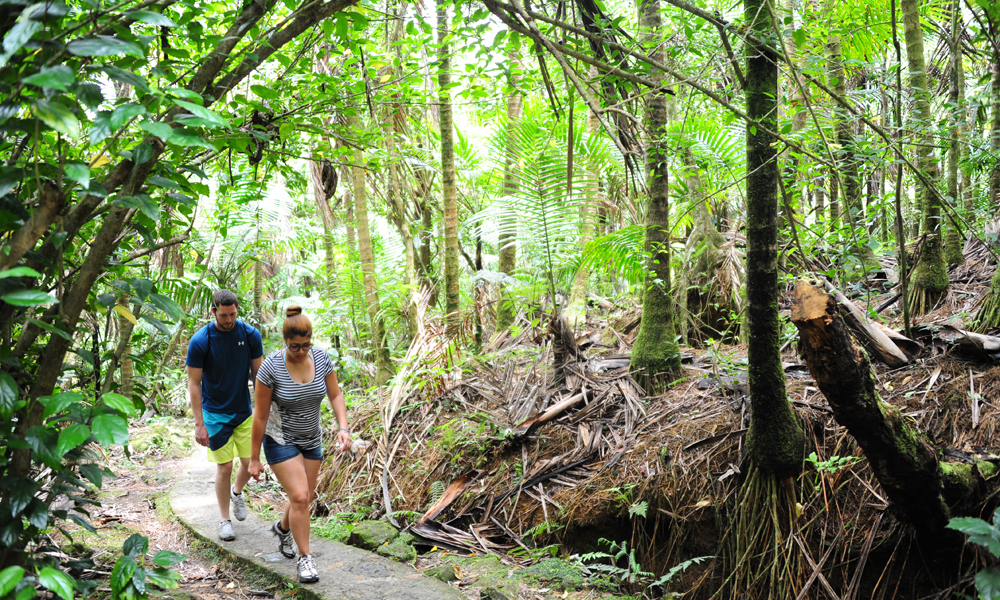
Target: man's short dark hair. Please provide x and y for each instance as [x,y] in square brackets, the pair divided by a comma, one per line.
[224,298]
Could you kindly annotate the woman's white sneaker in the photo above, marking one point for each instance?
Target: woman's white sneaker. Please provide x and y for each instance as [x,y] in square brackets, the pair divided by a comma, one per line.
[307,569]
[226,531]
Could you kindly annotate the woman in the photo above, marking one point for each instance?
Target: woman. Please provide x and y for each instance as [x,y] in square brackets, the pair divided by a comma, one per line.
[295,379]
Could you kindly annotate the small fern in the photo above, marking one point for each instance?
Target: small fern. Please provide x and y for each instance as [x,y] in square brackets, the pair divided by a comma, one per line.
[437,490]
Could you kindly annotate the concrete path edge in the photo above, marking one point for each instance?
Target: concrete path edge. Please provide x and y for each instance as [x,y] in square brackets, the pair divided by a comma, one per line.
[346,573]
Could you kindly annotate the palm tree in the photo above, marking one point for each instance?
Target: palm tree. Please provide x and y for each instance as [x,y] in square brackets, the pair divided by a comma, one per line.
[448,191]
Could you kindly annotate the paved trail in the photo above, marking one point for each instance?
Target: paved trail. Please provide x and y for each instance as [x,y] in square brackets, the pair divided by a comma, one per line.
[345,572]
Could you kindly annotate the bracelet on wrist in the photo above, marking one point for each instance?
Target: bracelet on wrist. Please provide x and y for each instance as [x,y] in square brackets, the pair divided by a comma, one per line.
[344,429]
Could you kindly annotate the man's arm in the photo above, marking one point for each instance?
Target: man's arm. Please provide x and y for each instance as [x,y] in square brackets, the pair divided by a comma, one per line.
[194,391]
[254,366]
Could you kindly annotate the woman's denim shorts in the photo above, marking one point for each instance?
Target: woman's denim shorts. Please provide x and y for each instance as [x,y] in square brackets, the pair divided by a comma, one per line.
[278,453]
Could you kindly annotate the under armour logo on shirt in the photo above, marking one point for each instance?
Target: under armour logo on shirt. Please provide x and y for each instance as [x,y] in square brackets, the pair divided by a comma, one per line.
[241,344]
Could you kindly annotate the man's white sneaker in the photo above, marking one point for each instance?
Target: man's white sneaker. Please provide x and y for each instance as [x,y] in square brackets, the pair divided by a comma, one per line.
[226,531]
[307,569]
[239,504]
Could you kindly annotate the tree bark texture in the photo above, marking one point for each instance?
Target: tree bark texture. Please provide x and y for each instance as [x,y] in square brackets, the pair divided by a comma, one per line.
[953,241]
[837,80]
[923,491]
[995,133]
[775,439]
[656,358]
[576,309]
[930,277]
[367,255]
[449,193]
[506,311]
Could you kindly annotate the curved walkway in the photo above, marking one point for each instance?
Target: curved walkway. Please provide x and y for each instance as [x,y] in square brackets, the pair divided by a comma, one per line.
[345,572]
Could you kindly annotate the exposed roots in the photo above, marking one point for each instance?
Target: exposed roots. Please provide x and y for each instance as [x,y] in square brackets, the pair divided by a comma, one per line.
[988,315]
[766,560]
[922,301]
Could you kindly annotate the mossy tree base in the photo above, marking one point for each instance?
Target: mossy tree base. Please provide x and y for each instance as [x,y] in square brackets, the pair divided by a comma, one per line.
[930,278]
[656,356]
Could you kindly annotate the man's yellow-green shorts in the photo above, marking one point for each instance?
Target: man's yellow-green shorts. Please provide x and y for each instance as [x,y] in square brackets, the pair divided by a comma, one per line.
[238,444]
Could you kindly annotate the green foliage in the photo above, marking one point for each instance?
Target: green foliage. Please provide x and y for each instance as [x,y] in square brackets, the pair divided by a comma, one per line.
[133,572]
[986,535]
[832,464]
[631,574]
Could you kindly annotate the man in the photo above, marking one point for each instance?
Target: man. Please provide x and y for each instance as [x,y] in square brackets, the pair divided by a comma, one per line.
[221,356]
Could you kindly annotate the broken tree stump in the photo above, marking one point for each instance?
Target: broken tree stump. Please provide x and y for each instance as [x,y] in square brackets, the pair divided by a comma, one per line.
[922,490]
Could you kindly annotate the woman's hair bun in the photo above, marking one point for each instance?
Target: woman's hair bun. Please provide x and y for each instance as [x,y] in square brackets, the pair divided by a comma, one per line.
[291,311]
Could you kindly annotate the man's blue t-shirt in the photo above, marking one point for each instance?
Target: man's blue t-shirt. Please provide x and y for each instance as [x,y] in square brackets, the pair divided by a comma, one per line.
[225,358]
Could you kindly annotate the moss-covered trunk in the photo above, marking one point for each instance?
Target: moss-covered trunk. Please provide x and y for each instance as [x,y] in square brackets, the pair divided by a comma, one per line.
[508,248]
[930,277]
[449,194]
[775,439]
[995,133]
[922,491]
[956,97]
[656,358]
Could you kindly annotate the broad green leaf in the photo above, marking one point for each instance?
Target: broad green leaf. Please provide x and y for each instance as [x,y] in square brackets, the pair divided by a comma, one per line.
[9,395]
[187,138]
[19,272]
[151,18]
[59,77]
[9,578]
[125,112]
[139,581]
[38,514]
[135,545]
[28,298]
[71,437]
[21,495]
[142,154]
[165,578]
[20,33]
[160,130]
[204,113]
[60,402]
[78,172]
[168,306]
[104,45]
[57,116]
[110,430]
[156,323]
[93,473]
[134,80]
[90,94]
[100,128]
[265,92]
[166,558]
[988,582]
[119,403]
[122,574]
[57,581]
[51,329]
[163,182]
[142,287]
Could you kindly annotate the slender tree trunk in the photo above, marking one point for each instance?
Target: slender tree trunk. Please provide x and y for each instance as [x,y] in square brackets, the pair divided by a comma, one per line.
[656,359]
[506,311]
[995,134]
[953,242]
[449,193]
[775,440]
[576,309]
[930,277]
[819,204]
[397,203]
[379,343]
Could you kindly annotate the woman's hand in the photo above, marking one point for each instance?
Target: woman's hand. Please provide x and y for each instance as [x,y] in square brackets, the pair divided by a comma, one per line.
[255,469]
[344,440]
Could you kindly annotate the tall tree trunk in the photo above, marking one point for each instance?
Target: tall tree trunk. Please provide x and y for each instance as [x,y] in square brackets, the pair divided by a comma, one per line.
[576,309]
[449,193]
[995,133]
[379,343]
[930,277]
[397,204]
[656,358]
[819,203]
[775,439]
[953,242]
[354,304]
[506,310]
[847,173]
